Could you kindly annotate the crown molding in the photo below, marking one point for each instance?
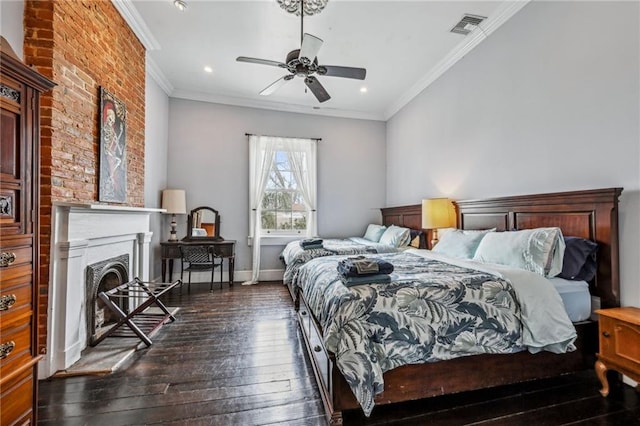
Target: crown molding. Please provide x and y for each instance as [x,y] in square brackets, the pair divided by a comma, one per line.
[158,76]
[504,12]
[275,106]
[131,15]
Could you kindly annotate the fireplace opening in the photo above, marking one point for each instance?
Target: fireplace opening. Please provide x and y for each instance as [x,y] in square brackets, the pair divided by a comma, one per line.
[104,276]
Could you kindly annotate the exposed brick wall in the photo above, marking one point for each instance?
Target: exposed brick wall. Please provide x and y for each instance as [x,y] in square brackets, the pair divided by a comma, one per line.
[81,45]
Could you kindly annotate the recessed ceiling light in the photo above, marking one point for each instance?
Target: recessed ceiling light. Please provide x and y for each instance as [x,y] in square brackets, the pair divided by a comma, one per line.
[208,69]
[363,89]
[180,4]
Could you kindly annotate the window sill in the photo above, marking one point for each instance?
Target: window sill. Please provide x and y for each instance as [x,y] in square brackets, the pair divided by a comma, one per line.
[275,240]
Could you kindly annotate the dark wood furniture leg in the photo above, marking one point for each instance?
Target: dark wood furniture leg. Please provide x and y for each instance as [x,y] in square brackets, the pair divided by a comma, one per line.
[232,263]
[135,289]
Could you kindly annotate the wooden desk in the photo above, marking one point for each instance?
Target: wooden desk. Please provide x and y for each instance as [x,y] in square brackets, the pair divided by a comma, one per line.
[171,250]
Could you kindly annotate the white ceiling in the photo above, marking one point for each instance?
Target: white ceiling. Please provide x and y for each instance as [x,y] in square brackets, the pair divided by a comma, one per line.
[404,45]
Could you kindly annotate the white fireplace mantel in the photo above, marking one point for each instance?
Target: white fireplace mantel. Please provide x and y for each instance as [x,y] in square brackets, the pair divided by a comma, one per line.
[106,207]
[83,234]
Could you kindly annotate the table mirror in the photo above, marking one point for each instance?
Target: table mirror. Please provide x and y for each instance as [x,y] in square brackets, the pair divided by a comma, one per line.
[203,223]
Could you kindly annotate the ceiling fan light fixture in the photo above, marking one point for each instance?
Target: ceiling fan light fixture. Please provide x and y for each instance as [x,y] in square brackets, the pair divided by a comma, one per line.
[181,5]
[311,7]
[303,62]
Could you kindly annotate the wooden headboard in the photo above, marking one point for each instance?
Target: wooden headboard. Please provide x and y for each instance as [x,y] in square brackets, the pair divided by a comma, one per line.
[407,216]
[589,214]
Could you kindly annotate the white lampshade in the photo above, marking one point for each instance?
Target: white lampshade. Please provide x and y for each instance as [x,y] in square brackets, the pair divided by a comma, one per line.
[436,213]
[174,201]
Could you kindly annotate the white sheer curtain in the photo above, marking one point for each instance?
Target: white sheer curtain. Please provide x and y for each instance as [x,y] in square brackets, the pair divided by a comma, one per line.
[302,158]
[261,153]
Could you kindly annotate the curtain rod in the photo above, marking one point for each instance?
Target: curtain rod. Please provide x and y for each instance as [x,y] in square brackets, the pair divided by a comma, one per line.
[252,134]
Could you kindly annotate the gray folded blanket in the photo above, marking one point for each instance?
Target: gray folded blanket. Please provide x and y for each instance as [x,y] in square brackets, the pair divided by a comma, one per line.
[365,279]
[361,266]
[312,246]
[311,242]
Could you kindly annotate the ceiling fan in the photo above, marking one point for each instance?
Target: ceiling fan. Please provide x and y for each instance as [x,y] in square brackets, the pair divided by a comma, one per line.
[303,63]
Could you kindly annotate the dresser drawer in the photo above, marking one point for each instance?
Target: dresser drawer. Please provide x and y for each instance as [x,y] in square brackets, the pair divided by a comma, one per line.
[23,255]
[15,303]
[304,317]
[16,341]
[17,399]
[321,361]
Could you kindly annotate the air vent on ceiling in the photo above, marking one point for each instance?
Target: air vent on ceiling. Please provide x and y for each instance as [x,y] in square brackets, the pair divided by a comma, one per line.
[467,24]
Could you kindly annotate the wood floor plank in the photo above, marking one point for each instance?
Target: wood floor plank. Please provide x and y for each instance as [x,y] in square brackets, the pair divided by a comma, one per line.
[235,357]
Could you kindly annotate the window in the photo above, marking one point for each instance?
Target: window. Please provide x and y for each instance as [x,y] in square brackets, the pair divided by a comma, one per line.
[283,187]
[283,206]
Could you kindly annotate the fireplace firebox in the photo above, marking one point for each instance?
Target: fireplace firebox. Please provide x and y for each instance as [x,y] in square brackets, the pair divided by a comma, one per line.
[104,276]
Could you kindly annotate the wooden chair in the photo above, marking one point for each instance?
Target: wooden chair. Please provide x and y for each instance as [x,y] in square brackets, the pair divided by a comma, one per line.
[199,258]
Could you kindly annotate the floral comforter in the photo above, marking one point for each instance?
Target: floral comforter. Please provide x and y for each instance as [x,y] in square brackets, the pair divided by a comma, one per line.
[431,311]
[295,256]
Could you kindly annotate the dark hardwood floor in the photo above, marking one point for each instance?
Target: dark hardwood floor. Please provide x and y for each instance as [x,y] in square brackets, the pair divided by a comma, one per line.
[235,357]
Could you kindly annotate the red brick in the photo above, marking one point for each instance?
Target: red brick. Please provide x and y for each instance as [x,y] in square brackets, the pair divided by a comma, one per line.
[81,45]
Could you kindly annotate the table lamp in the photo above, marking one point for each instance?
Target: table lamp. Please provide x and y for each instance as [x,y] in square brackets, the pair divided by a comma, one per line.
[174,202]
[436,213]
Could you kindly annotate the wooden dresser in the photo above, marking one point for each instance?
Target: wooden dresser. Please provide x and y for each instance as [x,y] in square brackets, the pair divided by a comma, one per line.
[20,87]
[619,330]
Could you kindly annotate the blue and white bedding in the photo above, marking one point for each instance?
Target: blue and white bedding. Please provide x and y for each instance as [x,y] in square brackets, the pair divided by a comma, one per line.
[294,256]
[435,308]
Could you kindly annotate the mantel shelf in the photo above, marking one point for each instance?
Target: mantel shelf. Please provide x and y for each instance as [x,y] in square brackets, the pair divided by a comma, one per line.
[107,207]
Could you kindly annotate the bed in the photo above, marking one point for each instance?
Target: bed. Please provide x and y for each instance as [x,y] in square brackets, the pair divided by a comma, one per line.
[294,256]
[591,214]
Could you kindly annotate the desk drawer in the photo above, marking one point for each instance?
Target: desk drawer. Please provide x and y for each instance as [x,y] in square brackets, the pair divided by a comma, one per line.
[171,251]
[223,250]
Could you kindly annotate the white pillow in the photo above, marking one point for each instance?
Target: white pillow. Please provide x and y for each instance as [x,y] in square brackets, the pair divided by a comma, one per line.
[396,236]
[538,250]
[374,232]
[460,243]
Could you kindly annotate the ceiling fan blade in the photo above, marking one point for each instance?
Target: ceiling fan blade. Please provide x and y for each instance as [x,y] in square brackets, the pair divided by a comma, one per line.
[260,61]
[310,47]
[346,72]
[275,85]
[317,89]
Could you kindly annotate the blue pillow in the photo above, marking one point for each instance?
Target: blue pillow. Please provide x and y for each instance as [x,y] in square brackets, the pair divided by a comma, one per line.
[396,236]
[460,243]
[579,261]
[538,250]
[374,232]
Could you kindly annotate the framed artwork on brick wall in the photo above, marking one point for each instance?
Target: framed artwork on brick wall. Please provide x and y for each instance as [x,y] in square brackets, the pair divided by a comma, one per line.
[113,149]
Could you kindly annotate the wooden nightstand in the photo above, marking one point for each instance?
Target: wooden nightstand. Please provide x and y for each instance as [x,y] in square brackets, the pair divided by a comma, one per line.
[619,331]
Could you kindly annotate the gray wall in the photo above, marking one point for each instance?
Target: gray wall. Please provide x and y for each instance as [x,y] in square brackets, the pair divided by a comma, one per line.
[549,102]
[11,24]
[209,158]
[155,165]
